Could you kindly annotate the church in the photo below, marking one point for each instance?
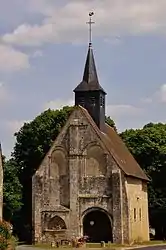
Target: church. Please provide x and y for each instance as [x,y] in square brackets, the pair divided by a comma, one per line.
[89,184]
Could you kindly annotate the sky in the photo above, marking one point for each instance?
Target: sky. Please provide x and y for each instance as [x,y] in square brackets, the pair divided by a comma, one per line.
[43,46]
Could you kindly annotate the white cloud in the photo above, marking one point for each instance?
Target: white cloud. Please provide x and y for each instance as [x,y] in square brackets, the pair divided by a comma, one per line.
[5,97]
[8,128]
[121,110]
[15,125]
[158,97]
[66,22]
[37,53]
[162,93]
[30,35]
[58,104]
[12,60]
[146,100]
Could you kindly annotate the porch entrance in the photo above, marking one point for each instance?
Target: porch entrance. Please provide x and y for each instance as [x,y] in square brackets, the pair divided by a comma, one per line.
[97,226]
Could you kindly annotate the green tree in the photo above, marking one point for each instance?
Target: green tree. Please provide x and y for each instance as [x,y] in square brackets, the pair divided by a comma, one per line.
[148,145]
[110,122]
[12,189]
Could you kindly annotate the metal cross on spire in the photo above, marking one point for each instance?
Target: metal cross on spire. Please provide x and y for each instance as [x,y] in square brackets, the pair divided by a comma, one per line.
[90,27]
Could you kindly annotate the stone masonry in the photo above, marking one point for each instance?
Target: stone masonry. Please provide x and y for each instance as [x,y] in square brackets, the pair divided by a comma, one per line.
[79,175]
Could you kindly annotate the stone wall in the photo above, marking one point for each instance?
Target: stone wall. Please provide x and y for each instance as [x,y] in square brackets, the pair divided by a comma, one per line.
[125,212]
[138,209]
[90,183]
[79,174]
[37,203]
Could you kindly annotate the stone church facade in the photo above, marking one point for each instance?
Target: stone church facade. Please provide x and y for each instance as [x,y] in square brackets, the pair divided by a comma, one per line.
[88,183]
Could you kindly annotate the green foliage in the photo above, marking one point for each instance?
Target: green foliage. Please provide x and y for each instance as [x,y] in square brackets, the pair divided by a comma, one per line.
[12,189]
[148,145]
[5,235]
[5,229]
[110,122]
[3,243]
[13,243]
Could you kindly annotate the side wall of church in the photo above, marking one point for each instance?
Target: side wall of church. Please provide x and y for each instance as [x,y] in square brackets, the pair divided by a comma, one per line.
[37,203]
[1,187]
[138,209]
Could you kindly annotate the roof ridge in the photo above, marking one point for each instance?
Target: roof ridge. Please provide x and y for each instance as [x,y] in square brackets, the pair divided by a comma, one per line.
[120,162]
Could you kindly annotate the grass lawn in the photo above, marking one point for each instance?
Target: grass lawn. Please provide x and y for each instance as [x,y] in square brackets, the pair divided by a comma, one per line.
[107,246]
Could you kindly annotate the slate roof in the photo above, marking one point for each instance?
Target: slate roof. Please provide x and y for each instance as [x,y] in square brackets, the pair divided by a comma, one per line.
[90,79]
[117,148]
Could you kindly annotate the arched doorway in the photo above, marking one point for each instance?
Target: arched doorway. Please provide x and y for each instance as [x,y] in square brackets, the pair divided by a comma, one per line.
[97,226]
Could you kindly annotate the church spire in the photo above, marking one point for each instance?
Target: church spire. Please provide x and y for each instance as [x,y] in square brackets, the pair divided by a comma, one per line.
[89,93]
[90,79]
[90,73]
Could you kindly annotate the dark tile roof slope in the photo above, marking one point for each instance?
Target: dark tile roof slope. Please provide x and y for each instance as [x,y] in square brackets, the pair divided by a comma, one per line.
[117,148]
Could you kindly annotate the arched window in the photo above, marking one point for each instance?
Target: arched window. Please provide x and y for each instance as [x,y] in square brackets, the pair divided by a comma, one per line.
[56,223]
[95,162]
[59,180]
[58,163]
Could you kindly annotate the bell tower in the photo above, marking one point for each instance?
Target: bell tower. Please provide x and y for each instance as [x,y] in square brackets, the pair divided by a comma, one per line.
[89,94]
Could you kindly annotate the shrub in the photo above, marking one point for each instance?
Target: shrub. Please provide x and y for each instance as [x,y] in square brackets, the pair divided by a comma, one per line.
[3,243]
[13,242]
[5,229]
[5,234]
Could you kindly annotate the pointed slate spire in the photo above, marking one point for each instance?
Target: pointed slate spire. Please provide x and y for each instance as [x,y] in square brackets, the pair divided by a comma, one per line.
[90,73]
[90,79]
[89,94]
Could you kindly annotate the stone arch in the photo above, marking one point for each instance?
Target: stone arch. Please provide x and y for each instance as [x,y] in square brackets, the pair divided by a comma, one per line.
[95,161]
[59,161]
[56,223]
[91,209]
[59,172]
[94,219]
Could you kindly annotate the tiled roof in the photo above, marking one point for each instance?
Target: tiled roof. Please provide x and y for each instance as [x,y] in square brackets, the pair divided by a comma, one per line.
[118,150]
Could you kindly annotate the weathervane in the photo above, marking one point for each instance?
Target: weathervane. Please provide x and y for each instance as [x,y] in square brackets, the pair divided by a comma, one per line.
[90,27]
